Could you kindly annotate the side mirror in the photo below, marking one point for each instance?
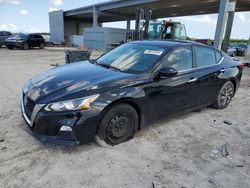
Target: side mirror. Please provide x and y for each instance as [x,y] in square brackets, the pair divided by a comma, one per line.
[168,72]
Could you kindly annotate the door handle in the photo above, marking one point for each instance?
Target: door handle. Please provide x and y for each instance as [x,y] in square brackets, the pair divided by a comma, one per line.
[223,70]
[192,80]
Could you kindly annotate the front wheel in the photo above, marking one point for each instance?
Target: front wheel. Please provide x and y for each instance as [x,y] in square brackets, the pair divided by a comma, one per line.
[26,46]
[225,95]
[118,125]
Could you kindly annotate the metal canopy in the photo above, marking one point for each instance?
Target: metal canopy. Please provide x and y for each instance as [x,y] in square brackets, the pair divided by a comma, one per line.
[122,10]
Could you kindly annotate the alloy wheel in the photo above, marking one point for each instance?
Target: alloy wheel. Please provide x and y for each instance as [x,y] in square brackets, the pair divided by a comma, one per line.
[226,94]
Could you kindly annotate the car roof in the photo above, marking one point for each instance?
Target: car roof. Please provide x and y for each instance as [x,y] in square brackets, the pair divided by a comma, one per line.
[168,43]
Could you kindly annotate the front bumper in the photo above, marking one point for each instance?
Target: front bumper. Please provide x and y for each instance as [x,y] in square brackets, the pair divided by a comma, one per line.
[45,126]
[14,44]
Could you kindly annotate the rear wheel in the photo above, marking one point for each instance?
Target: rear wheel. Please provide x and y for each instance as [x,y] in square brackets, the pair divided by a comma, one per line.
[42,46]
[118,125]
[225,95]
[10,47]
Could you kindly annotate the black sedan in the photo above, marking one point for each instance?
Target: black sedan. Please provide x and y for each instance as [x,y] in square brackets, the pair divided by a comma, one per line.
[25,41]
[126,89]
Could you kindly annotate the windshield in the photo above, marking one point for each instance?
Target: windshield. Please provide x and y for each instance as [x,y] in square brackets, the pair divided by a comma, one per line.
[20,35]
[155,30]
[133,58]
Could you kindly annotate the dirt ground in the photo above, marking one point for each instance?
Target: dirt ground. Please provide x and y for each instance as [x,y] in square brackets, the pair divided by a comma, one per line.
[185,151]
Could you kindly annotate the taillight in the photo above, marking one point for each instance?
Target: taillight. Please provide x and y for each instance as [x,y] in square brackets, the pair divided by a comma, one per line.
[242,66]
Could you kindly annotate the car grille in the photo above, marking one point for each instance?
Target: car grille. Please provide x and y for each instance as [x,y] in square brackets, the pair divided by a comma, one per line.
[28,106]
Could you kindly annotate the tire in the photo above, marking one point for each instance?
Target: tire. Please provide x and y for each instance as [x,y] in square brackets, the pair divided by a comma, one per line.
[9,47]
[67,59]
[42,46]
[234,54]
[26,46]
[225,96]
[118,125]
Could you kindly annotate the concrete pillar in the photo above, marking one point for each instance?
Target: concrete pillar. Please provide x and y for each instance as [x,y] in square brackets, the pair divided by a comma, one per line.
[221,23]
[95,17]
[247,58]
[128,24]
[230,10]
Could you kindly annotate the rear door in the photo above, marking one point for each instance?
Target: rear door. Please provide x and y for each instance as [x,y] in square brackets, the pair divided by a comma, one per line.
[209,68]
[36,40]
[39,39]
[171,95]
[31,40]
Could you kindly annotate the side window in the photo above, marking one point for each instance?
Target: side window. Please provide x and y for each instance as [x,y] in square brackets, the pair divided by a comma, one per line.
[177,31]
[180,59]
[38,36]
[218,56]
[205,56]
[180,32]
[183,32]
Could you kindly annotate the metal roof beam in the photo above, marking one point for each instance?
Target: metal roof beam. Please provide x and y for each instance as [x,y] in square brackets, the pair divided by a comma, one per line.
[127,3]
[122,16]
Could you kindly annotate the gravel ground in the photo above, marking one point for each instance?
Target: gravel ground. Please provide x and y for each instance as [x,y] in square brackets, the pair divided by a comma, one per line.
[185,151]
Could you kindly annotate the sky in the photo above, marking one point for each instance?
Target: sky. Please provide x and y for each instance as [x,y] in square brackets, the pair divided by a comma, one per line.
[32,16]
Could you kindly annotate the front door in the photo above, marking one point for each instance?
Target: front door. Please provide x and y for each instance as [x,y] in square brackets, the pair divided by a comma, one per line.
[171,95]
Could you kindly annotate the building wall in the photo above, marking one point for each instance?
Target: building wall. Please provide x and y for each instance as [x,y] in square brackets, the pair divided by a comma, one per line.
[56,25]
[99,38]
[74,27]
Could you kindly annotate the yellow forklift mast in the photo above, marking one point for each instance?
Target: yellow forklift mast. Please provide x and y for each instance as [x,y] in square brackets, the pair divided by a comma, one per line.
[145,28]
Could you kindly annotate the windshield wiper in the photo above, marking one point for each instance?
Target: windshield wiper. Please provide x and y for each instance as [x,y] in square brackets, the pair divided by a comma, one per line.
[109,67]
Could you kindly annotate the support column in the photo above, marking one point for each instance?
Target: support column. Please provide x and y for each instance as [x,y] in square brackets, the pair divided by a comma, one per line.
[221,23]
[247,58]
[95,17]
[229,26]
[128,25]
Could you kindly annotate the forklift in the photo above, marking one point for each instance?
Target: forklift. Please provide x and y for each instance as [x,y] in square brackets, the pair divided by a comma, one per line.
[146,29]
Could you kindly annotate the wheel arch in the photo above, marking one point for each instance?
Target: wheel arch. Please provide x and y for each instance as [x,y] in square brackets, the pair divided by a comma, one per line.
[234,83]
[130,102]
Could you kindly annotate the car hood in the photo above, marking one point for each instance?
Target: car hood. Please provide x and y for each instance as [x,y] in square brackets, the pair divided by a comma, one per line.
[67,81]
[13,39]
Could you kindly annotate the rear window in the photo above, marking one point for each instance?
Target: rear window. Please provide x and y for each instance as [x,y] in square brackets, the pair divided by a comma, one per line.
[204,56]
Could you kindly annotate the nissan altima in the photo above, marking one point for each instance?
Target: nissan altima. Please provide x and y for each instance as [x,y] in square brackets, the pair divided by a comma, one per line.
[110,98]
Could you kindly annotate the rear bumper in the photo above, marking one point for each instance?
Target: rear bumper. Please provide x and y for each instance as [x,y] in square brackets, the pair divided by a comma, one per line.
[46,126]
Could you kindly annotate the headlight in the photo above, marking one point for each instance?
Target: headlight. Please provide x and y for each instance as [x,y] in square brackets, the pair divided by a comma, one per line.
[20,41]
[76,104]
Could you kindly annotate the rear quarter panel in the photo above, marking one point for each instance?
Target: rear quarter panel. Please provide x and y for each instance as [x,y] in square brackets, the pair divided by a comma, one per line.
[233,71]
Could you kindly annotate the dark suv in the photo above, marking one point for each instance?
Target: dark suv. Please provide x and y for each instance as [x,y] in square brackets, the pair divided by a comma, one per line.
[4,35]
[25,41]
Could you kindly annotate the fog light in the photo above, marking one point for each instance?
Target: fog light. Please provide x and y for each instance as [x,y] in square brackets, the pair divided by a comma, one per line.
[65,128]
